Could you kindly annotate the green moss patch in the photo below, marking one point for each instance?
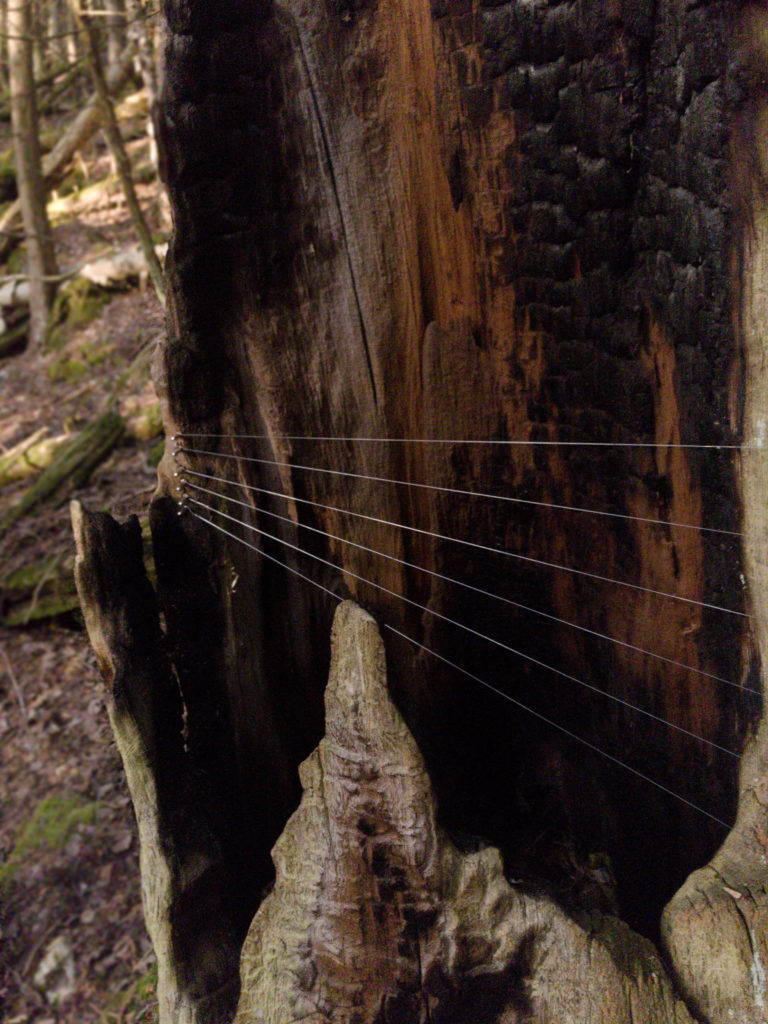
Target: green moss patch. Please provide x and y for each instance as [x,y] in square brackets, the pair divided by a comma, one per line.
[146,986]
[88,354]
[52,822]
[16,261]
[77,302]
[138,1002]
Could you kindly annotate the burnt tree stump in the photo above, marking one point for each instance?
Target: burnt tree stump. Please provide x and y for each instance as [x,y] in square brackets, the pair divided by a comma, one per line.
[487,221]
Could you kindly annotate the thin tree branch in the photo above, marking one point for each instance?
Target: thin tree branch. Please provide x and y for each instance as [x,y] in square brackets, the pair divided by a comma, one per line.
[118,150]
[16,688]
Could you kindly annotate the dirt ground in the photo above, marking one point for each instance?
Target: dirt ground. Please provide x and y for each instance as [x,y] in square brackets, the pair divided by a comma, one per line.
[69,879]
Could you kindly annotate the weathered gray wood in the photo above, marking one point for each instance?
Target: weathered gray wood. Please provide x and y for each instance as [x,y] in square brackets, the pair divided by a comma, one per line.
[376,916]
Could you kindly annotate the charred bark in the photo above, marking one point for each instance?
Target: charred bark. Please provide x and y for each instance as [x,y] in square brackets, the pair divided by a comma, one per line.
[515,221]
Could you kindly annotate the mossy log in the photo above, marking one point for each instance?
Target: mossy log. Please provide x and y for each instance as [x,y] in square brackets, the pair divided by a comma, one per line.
[74,463]
[30,456]
[37,452]
[145,424]
[39,591]
[47,588]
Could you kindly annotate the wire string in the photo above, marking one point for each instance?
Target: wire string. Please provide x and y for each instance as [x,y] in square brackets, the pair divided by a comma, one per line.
[448,579]
[509,554]
[481,441]
[494,497]
[477,679]
[567,732]
[455,622]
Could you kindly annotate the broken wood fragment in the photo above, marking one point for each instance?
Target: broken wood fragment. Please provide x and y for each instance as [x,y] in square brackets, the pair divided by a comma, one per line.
[187,894]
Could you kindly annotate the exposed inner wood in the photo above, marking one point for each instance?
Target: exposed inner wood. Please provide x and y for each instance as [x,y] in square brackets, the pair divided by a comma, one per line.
[507,222]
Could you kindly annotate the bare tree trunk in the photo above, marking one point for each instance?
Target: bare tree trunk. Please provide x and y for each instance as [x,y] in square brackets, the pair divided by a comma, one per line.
[72,39]
[115,31]
[4,43]
[39,42]
[41,262]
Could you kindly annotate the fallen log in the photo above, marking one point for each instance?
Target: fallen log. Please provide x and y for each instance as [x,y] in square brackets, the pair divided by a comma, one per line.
[36,453]
[38,591]
[112,270]
[75,463]
[143,423]
[119,267]
[29,456]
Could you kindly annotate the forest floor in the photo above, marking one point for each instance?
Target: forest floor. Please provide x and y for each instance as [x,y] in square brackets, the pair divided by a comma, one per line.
[70,905]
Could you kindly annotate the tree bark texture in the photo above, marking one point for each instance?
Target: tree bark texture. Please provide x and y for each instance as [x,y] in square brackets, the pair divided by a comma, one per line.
[41,260]
[490,221]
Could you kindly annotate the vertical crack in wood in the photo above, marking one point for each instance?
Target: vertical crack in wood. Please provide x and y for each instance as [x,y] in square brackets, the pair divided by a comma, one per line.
[342,220]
